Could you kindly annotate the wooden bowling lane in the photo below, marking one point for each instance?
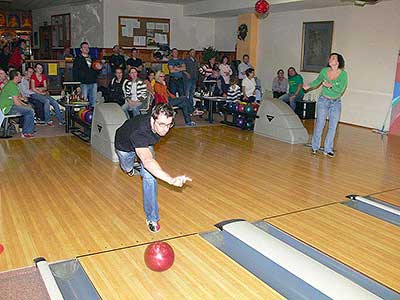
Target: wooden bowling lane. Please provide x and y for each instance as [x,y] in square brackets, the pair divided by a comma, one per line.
[392,197]
[367,244]
[200,271]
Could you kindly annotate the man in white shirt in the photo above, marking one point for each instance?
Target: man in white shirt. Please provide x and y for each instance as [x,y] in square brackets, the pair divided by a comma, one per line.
[24,89]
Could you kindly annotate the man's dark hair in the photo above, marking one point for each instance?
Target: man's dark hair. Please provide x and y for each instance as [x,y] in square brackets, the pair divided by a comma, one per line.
[292,68]
[27,68]
[339,58]
[133,49]
[246,55]
[280,70]
[13,73]
[248,71]
[162,108]
[83,43]
[174,49]
[118,68]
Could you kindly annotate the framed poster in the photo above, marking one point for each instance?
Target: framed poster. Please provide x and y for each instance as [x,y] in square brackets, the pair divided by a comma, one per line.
[3,22]
[13,21]
[316,45]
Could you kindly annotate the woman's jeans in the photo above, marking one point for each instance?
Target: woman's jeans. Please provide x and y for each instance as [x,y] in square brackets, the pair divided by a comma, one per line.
[331,108]
[47,101]
[149,183]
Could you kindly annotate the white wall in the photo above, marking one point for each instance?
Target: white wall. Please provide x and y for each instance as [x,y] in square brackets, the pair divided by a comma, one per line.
[368,39]
[225,33]
[86,21]
[186,32]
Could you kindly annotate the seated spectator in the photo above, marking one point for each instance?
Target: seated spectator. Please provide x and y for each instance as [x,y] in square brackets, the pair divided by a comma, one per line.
[162,93]
[17,57]
[12,102]
[150,81]
[296,92]
[4,57]
[26,92]
[279,84]
[206,69]
[135,93]
[243,66]
[249,86]
[115,91]
[41,94]
[219,88]
[234,92]
[3,79]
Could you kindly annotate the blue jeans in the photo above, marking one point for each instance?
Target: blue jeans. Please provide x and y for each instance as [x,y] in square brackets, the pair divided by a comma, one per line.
[190,86]
[183,103]
[134,109]
[291,102]
[176,85]
[149,183]
[332,109]
[89,91]
[47,101]
[28,115]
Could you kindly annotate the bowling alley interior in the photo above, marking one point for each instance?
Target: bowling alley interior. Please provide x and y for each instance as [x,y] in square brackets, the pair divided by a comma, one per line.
[199,149]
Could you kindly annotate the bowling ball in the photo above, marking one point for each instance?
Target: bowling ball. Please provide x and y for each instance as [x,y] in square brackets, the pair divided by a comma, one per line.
[248,108]
[249,125]
[255,107]
[159,256]
[229,106]
[241,108]
[80,113]
[89,117]
[83,114]
[235,106]
[240,122]
[97,66]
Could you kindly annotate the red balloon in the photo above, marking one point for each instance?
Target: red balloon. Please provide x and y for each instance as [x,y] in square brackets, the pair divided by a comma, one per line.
[262,6]
[1,248]
[159,256]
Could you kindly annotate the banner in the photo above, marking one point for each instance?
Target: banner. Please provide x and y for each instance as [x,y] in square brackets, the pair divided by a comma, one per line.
[395,117]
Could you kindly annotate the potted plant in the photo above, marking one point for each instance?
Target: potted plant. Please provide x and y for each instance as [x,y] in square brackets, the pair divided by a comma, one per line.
[210,52]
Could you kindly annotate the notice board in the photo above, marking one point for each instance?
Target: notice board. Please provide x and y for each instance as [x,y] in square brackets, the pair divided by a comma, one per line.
[143,32]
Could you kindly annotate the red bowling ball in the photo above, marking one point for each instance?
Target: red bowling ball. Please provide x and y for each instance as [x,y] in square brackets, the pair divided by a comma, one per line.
[159,256]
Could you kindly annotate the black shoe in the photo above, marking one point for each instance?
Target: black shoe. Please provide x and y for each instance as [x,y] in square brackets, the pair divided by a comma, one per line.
[153,226]
[329,154]
[131,173]
[314,151]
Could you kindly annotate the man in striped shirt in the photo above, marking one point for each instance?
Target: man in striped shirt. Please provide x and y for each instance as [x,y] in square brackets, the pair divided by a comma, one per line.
[135,93]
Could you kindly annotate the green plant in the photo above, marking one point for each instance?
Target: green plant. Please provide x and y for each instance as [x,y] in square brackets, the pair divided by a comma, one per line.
[210,52]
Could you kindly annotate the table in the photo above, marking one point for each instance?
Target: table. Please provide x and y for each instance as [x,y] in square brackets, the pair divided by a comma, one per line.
[210,100]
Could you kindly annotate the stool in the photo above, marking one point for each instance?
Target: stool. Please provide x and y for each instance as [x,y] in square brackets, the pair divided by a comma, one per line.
[5,124]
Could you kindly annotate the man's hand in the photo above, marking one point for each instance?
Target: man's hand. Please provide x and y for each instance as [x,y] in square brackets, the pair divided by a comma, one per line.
[179,181]
[306,87]
[327,84]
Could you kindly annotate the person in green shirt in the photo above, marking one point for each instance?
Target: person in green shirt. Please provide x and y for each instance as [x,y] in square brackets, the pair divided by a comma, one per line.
[296,92]
[11,103]
[334,82]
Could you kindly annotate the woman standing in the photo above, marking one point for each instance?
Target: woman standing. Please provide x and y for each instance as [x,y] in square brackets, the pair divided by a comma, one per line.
[334,82]
[225,69]
[41,94]
[279,84]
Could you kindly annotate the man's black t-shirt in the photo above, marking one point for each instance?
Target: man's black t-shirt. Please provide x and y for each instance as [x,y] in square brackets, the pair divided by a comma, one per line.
[135,133]
[137,62]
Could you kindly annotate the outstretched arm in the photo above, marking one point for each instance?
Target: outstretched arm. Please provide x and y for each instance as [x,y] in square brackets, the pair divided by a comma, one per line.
[151,165]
